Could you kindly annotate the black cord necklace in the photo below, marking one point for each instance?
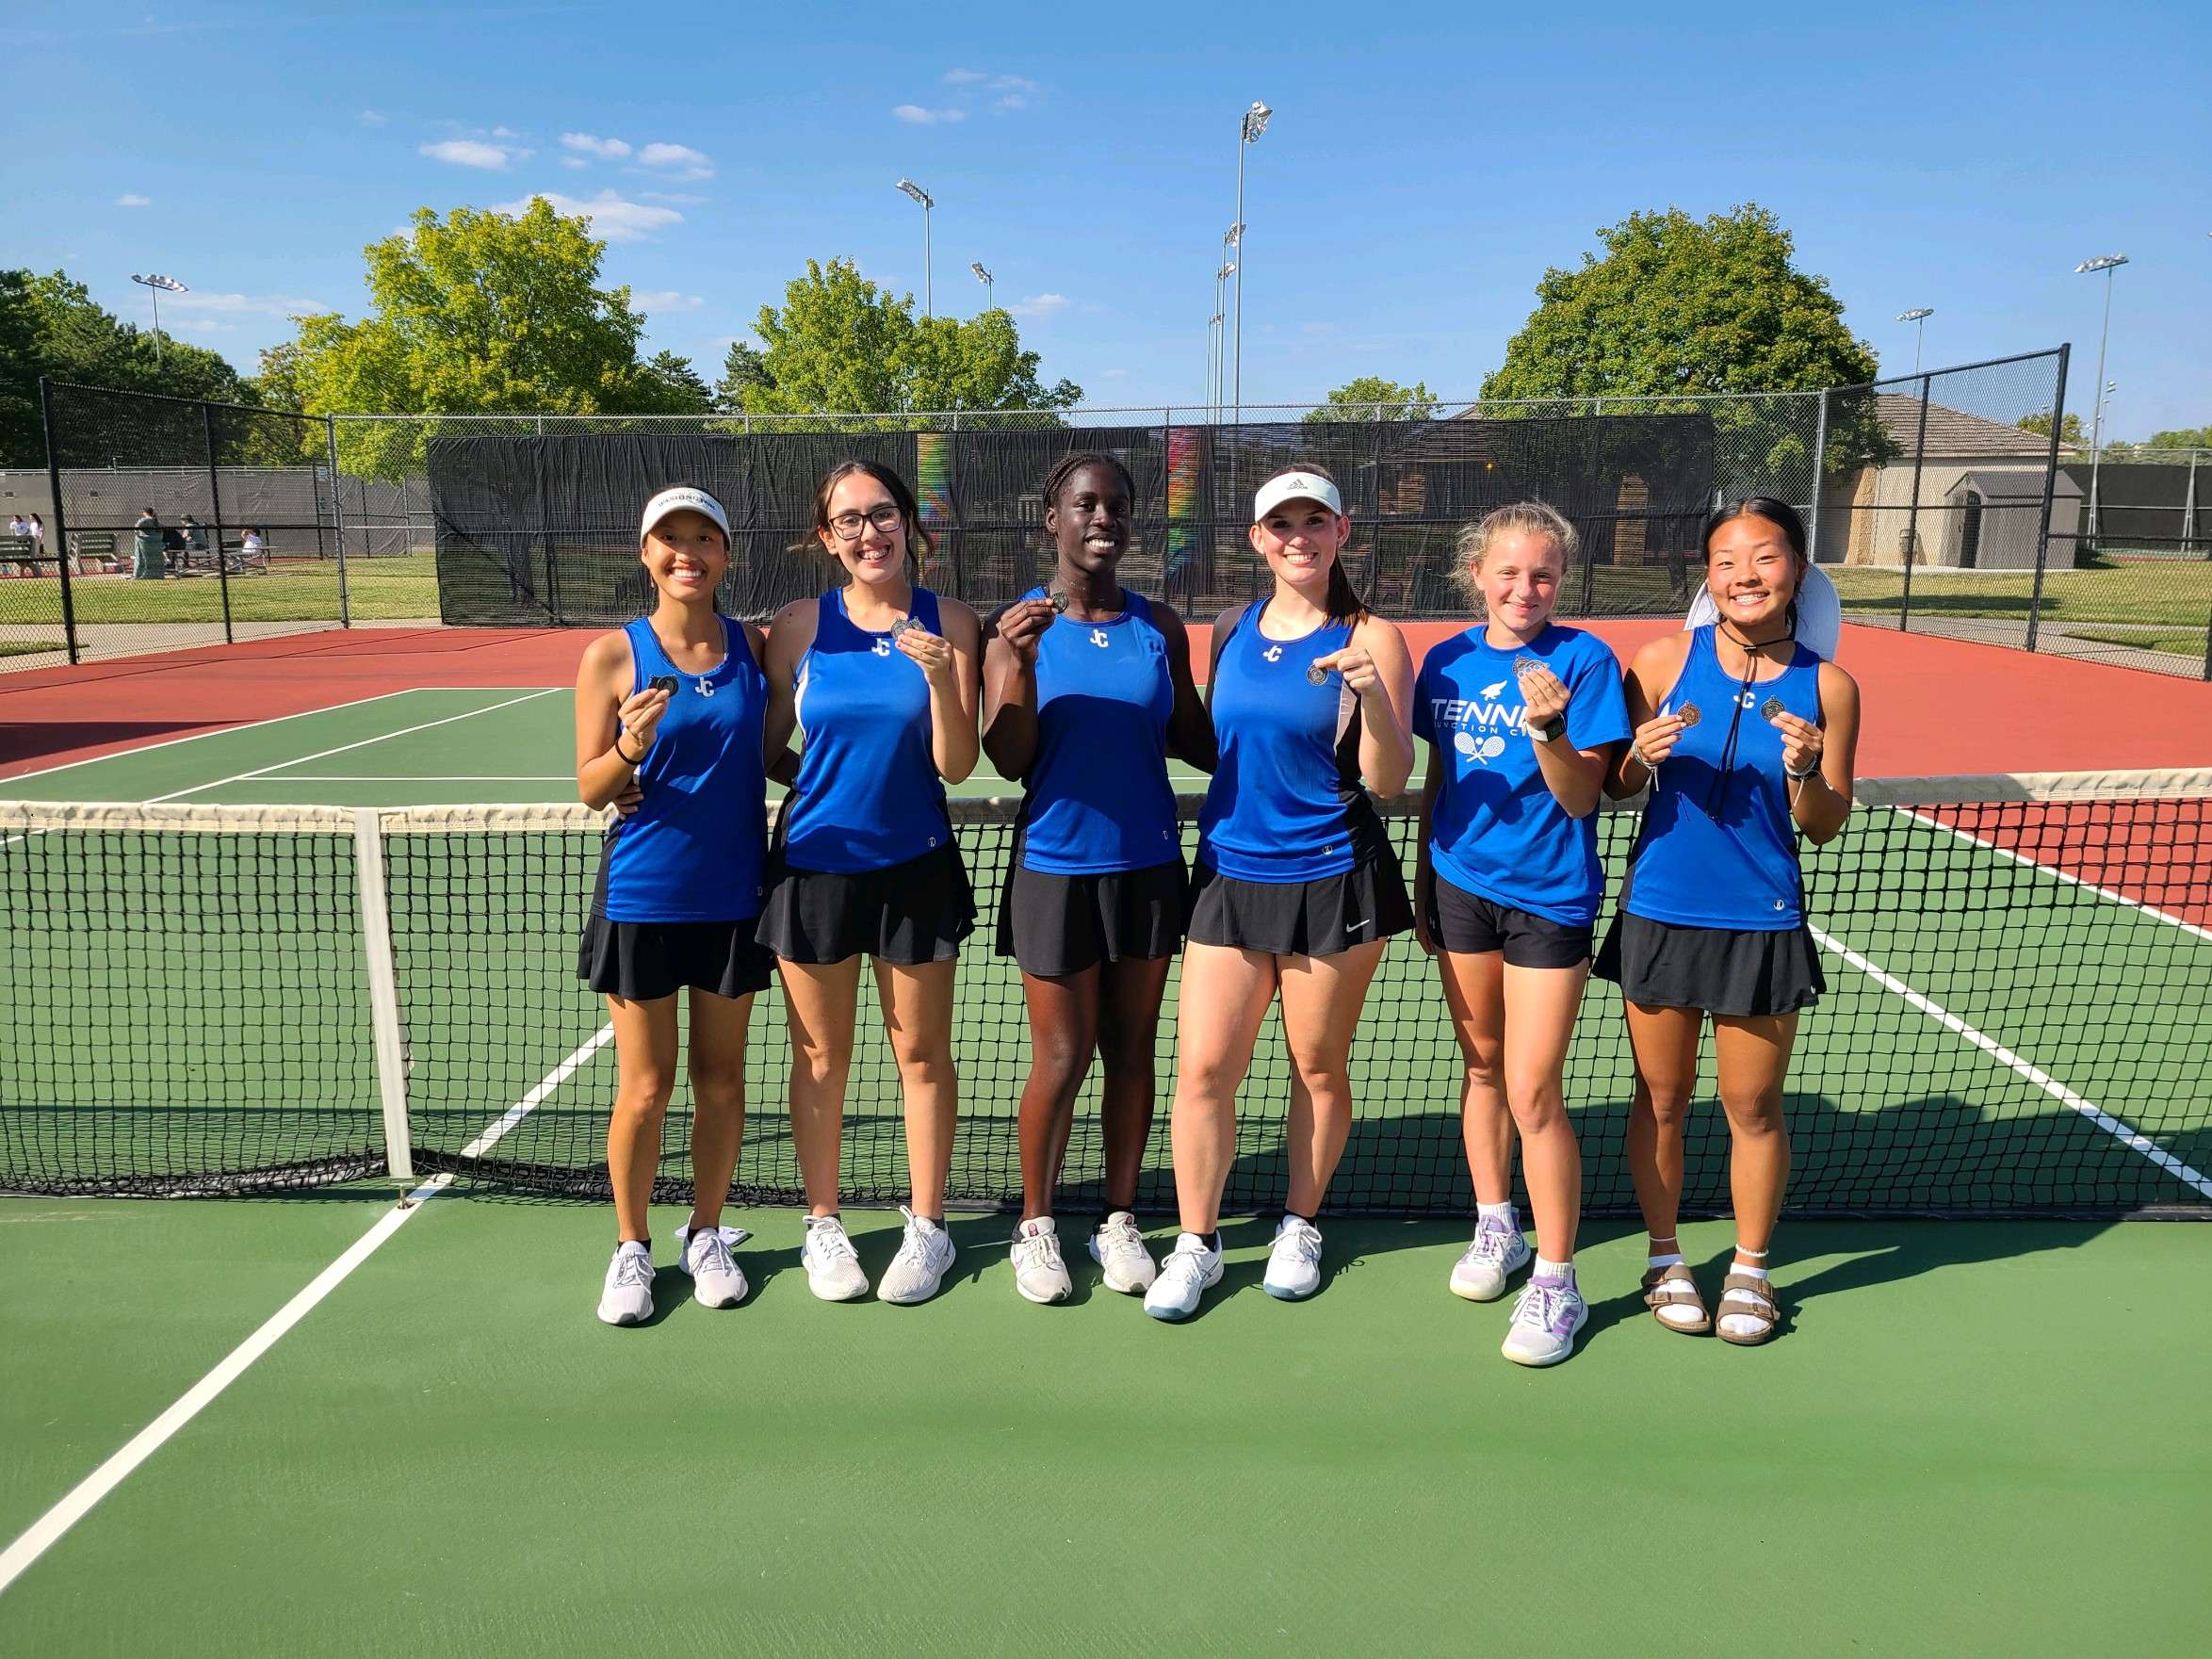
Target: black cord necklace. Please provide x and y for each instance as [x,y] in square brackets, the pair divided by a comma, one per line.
[1716,796]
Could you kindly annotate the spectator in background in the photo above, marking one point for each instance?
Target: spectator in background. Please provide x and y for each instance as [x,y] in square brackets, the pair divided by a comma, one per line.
[249,548]
[195,542]
[16,527]
[35,527]
[146,547]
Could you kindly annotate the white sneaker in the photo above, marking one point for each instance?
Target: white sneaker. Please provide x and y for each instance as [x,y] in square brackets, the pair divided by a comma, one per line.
[627,1296]
[1294,1266]
[1039,1273]
[1545,1321]
[1190,1271]
[833,1266]
[1499,1251]
[924,1255]
[1119,1247]
[717,1281]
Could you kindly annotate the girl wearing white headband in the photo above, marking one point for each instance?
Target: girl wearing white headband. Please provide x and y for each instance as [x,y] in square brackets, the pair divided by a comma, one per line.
[1296,885]
[669,715]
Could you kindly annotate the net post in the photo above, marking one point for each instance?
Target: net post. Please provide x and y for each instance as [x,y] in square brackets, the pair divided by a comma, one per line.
[330,437]
[223,565]
[384,989]
[2043,535]
[61,554]
[1912,509]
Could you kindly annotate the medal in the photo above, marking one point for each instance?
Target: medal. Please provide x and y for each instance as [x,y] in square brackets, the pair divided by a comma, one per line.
[1688,714]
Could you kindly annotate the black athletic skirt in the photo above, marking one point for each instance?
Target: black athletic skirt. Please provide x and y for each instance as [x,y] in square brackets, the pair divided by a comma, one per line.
[1319,918]
[1061,924]
[643,961]
[1719,969]
[907,914]
[1462,921]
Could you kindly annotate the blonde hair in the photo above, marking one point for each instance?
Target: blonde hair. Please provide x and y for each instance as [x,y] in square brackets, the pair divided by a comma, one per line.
[1521,518]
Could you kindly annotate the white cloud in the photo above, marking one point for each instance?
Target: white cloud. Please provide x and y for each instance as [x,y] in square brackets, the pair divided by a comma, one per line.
[1012,101]
[505,132]
[676,161]
[662,300]
[611,216]
[131,199]
[605,149]
[372,118]
[1115,374]
[1012,83]
[1040,305]
[473,152]
[206,325]
[674,198]
[574,161]
[249,304]
[964,77]
[920,117]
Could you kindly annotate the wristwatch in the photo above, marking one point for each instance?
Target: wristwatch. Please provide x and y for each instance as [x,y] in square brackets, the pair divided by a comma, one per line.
[1555,728]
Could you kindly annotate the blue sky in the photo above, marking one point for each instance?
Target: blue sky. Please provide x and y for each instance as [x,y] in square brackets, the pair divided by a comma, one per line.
[1425,164]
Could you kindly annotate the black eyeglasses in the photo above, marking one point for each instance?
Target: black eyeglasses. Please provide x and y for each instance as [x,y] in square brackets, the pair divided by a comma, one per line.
[885,518]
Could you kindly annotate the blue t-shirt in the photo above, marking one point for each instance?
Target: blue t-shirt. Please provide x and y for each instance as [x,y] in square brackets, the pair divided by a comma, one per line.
[1498,830]
[1286,803]
[1096,797]
[1719,848]
[693,849]
[867,795]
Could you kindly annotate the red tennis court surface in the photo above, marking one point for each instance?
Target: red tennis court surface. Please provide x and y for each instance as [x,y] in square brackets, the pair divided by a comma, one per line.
[1932,706]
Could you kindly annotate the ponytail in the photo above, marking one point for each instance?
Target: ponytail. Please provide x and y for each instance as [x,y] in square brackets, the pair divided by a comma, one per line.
[1344,604]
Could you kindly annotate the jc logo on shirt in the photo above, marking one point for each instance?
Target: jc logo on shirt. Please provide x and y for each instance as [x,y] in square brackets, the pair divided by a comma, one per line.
[881,648]
[1099,637]
[1273,654]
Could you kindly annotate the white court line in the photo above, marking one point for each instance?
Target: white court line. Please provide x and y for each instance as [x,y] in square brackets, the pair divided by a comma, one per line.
[227,730]
[424,778]
[44,1533]
[2125,1133]
[2037,864]
[343,748]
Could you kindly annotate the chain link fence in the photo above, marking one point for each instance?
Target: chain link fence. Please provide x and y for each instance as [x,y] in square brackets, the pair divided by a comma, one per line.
[1939,503]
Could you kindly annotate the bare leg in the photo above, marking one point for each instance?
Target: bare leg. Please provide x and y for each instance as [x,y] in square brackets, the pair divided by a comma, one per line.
[1321,1000]
[1474,990]
[1541,1005]
[1665,1042]
[1128,1027]
[817,1006]
[1062,1031]
[1754,1058]
[644,1077]
[1225,996]
[918,1013]
[719,1028]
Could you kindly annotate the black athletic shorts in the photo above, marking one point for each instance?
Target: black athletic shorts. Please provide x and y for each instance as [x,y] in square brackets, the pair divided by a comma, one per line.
[643,961]
[1721,970]
[907,914]
[1459,921]
[1061,924]
[1320,918]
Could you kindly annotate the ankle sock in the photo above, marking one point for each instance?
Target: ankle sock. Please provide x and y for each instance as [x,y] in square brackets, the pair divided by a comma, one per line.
[1558,1273]
[1504,1212]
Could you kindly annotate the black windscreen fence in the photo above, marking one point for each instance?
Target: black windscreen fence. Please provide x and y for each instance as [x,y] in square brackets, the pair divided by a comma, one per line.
[541,530]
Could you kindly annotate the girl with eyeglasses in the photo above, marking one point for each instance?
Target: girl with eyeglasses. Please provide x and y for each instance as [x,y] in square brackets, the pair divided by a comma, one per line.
[878,678]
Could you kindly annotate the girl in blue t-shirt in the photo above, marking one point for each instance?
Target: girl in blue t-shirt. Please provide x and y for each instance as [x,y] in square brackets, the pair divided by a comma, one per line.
[1086,691]
[878,678]
[1746,736]
[1523,718]
[669,716]
[1297,885]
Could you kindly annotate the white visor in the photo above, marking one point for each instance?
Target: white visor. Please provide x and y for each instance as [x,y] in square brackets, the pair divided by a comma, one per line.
[682,499]
[1820,612]
[1296,486]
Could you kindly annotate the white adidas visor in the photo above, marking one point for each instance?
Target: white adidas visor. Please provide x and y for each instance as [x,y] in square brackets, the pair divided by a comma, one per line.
[1296,486]
[682,499]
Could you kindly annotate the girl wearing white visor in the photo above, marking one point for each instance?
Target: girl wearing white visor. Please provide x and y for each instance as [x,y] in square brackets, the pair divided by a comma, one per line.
[1746,735]
[1296,885]
[669,711]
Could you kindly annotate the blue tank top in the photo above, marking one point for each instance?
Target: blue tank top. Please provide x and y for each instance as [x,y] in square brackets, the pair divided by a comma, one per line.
[1718,847]
[867,795]
[1286,803]
[693,849]
[1096,797]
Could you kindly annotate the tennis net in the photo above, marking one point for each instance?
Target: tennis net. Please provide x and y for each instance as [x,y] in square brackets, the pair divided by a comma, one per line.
[233,999]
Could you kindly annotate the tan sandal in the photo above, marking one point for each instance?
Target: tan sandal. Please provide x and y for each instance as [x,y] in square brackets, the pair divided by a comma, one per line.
[1754,1299]
[1675,1286]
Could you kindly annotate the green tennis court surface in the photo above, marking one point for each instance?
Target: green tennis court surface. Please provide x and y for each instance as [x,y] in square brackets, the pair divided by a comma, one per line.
[1976,1437]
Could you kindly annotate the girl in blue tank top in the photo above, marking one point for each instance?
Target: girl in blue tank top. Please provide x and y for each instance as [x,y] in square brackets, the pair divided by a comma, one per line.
[1745,735]
[669,722]
[878,679]
[1087,689]
[1297,885]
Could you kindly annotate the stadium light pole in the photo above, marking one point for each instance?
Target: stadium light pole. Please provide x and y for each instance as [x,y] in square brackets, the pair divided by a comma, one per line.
[1216,330]
[2107,263]
[984,277]
[1249,126]
[157,284]
[909,187]
[1918,316]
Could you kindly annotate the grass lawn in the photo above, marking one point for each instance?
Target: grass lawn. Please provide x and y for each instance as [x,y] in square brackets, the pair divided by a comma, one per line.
[2137,593]
[2182,640]
[304,591]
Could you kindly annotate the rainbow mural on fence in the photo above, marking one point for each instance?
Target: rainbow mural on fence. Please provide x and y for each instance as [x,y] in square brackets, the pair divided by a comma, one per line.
[1182,496]
[933,482]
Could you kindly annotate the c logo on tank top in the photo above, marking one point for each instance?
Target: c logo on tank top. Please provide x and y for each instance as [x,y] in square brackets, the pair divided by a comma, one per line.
[881,648]
[1099,637]
[1273,654]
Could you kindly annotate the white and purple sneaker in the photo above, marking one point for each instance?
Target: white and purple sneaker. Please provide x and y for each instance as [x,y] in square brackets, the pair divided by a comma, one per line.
[1545,1321]
[1499,1251]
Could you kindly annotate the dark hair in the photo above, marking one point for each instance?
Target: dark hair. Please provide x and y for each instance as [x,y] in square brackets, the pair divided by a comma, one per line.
[1344,604]
[1071,465]
[1766,507]
[901,498]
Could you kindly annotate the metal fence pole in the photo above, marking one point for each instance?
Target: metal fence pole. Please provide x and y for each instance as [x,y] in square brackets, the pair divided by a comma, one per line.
[329,433]
[2189,509]
[223,565]
[2042,537]
[1913,511]
[1819,475]
[61,554]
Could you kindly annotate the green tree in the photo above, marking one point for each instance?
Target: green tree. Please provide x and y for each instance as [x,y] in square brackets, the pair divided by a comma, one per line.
[668,384]
[2182,438]
[2071,430]
[742,368]
[1359,397]
[841,344]
[23,441]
